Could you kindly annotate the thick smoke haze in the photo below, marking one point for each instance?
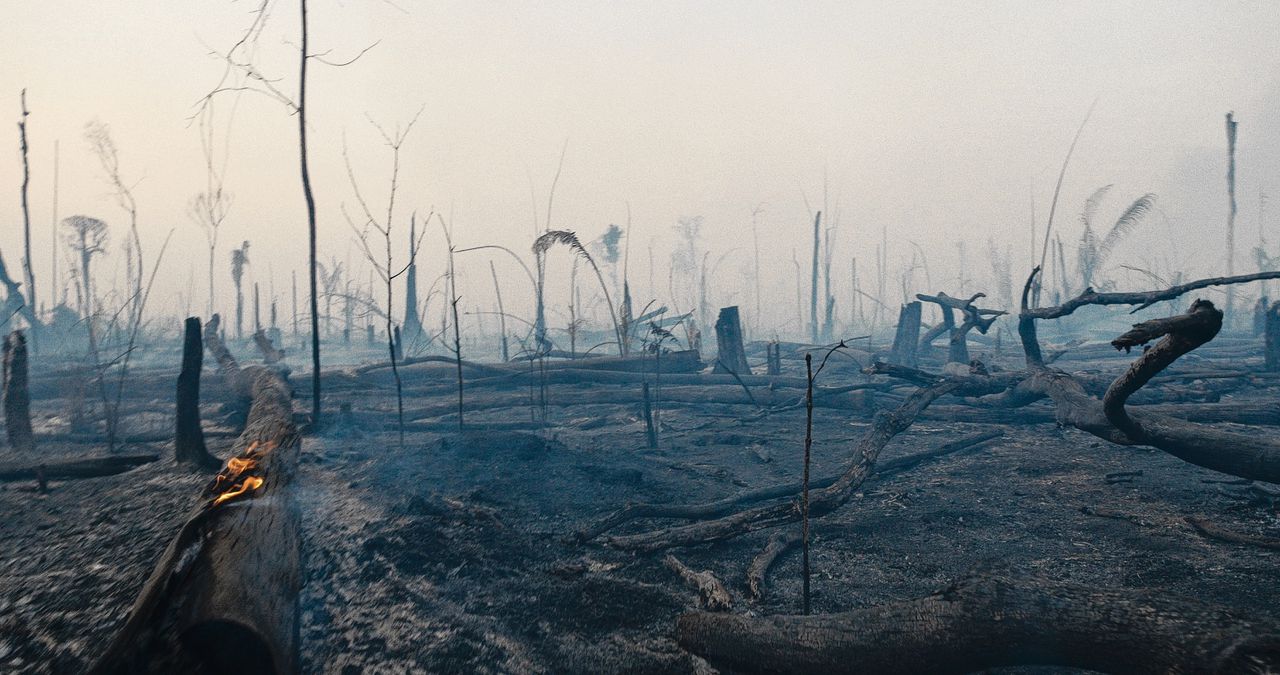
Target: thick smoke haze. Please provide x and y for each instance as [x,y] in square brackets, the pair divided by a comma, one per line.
[935,123]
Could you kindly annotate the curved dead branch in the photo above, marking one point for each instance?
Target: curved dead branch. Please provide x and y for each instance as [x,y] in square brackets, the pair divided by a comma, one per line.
[886,425]
[728,505]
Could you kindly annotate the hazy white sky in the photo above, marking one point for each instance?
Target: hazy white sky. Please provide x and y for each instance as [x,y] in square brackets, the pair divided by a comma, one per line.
[938,121]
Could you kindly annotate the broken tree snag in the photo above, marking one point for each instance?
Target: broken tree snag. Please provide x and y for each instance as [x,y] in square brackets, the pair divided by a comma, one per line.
[886,425]
[779,543]
[224,595]
[907,336]
[982,319]
[88,467]
[1272,338]
[188,437]
[1247,456]
[712,595]
[730,354]
[17,401]
[270,355]
[989,622]
[1180,335]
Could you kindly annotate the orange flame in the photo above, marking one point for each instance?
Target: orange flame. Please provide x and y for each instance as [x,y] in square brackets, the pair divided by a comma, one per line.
[249,484]
[238,465]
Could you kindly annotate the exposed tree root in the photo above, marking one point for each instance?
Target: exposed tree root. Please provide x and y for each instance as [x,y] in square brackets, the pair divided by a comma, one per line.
[988,622]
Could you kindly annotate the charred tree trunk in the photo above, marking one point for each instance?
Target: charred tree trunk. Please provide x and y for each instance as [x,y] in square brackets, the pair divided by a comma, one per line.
[17,400]
[773,358]
[1272,331]
[908,335]
[188,438]
[990,622]
[224,596]
[731,355]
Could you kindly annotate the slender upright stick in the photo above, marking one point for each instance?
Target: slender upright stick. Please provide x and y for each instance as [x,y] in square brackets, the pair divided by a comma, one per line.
[813,290]
[311,222]
[26,218]
[804,493]
[1231,215]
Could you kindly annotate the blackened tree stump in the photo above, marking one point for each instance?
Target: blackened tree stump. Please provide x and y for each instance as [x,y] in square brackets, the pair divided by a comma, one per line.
[17,401]
[731,356]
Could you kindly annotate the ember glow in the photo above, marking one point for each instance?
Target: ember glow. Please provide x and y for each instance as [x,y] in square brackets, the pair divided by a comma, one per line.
[228,484]
[251,483]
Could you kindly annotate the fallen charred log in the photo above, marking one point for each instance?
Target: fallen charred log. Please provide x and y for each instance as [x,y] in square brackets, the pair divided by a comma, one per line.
[87,467]
[1247,456]
[987,622]
[224,595]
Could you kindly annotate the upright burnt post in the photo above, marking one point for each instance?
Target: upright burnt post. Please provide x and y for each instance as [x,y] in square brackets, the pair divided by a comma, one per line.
[17,401]
[188,439]
[731,356]
[1273,338]
[907,337]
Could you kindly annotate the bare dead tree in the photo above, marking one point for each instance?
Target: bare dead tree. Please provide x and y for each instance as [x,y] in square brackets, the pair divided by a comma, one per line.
[239,259]
[26,220]
[242,74]
[384,266]
[98,134]
[17,399]
[208,209]
[1231,211]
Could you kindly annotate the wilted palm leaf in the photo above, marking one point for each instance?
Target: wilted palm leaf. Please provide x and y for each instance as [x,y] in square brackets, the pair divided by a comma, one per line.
[1126,224]
[552,237]
[1091,205]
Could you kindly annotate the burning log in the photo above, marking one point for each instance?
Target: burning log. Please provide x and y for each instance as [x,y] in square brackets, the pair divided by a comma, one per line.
[17,402]
[188,438]
[224,596]
[988,622]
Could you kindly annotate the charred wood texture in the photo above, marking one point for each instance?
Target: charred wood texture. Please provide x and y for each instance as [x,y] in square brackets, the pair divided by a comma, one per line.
[907,337]
[989,622]
[731,357]
[224,595]
[17,400]
[188,438]
[712,595]
[779,543]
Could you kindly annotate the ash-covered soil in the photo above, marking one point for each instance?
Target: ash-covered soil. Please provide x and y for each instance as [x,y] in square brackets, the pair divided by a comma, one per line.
[455,553]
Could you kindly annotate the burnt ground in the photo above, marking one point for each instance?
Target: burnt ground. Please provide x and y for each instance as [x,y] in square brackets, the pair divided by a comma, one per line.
[454,553]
